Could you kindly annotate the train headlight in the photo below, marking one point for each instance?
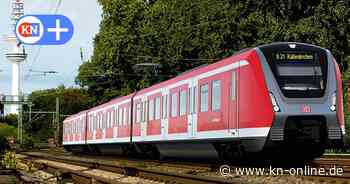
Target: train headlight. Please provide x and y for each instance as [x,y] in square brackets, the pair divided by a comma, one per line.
[275,106]
[334,102]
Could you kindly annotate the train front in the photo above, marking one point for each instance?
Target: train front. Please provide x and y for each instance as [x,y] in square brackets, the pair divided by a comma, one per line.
[305,87]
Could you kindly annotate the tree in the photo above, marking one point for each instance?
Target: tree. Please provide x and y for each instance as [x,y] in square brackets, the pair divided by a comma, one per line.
[10,119]
[180,35]
[72,100]
[6,131]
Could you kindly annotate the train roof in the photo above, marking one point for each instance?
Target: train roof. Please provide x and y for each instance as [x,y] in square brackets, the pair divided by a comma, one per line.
[238,55]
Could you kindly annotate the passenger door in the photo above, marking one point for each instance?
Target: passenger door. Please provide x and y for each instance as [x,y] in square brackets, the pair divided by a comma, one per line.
[192,104]
[212,108]
[165,113]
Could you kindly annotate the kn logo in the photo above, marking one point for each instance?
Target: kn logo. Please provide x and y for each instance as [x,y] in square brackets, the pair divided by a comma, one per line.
[44,29]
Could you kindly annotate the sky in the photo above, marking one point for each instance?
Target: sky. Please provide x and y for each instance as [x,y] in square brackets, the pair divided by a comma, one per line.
[64,59]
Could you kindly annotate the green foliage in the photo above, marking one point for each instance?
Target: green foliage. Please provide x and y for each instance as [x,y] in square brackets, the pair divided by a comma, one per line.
[183,34]
[7,131]
[72,100]
[10,119]
[28,142]
[10,160]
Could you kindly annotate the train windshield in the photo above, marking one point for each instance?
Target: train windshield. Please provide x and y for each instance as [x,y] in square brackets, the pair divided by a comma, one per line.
[300,73]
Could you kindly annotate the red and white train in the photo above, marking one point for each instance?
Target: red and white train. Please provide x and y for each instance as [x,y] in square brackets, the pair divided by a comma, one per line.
[280,96]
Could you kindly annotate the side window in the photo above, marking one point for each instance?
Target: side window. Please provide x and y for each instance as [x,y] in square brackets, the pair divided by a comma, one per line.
[143,109]
[104,120]
[101,120]
[216,95]
[233,85]
[93,122]
[182,102]
[129,115]
[194,105]
[109,119]
[204,98]
[120,116]
[116,116]
[174,105]
[157,108]
[96,121]
[146,110]
[151,110]
[164,106]
[125,116]
[138,112]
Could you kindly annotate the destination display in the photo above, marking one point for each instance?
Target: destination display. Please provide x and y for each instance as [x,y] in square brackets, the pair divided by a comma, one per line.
[288,57]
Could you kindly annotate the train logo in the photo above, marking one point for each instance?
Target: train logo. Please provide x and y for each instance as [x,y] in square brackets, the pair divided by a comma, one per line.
[306,108]
[29,30]
[44,29]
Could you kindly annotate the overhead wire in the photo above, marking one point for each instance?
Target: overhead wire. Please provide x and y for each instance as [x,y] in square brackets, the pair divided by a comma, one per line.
[36,56]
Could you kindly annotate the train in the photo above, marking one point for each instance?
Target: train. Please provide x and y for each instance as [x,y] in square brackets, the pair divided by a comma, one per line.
[282,98]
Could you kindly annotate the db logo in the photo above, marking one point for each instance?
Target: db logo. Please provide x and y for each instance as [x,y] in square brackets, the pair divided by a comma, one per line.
[306,108]
[44,29]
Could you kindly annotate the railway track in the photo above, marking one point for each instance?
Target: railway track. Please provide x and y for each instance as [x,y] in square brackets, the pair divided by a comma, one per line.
[338,163]
[148,171]
[173,172]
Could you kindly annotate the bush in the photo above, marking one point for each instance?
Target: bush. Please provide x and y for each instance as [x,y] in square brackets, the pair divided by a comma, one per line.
[28,142]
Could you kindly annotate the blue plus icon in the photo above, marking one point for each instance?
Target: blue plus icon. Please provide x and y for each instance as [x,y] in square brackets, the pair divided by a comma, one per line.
[58,30]
[48,29]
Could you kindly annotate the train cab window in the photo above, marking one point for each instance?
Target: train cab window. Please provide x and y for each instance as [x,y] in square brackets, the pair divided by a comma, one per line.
[182,102]
[300,72]
[157,108]
[138,112]
[204,98]
[174,105]
[216,95]
[151,110]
